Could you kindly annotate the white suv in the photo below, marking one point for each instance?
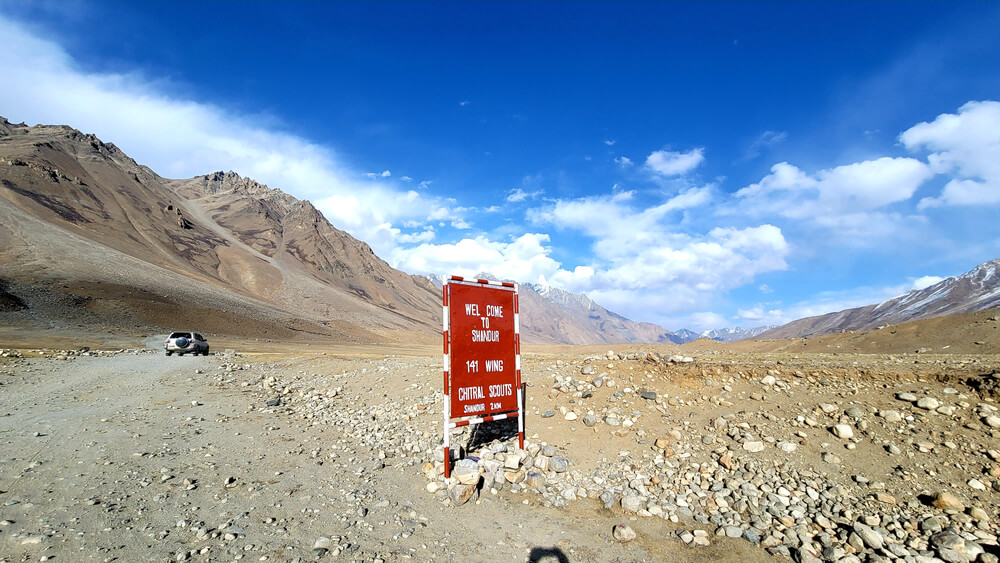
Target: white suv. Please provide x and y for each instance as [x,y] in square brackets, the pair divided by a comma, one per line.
[184,342]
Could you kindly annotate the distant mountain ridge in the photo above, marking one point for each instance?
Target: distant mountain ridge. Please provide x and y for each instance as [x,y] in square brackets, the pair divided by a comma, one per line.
[735,334]
[556,316]
[976,290]
[551,315]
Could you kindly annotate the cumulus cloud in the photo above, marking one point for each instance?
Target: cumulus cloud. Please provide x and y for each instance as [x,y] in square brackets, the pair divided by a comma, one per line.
[966,145]
[641,265]
[852,201]
[671,163]
[525,258]
[623,161]
[860,186]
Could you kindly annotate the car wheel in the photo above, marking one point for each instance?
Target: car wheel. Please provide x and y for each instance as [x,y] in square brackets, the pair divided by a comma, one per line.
[169,352]
[206,351]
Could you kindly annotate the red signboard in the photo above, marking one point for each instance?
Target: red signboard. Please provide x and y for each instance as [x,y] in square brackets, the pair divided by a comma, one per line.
[483,351]
[482,368]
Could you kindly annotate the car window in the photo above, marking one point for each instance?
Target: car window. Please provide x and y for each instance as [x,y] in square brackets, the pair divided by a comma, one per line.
[180,335]
[199,337]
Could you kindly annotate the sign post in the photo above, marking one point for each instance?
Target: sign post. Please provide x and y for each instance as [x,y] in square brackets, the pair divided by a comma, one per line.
[482,356]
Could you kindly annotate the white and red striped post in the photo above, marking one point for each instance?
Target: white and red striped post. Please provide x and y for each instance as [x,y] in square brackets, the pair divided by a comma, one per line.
[448,356]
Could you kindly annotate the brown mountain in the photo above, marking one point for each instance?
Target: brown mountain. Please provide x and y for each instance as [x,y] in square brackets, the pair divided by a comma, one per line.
[975,290]
[91,241]
[88,238]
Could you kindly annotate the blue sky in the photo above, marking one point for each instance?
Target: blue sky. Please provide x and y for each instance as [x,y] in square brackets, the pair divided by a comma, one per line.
[698,165]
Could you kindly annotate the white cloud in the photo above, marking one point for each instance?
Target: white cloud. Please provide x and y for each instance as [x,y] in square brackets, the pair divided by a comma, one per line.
[851,201]
[766,140]
[423,236]
[926,281]
[966,145]
[844,190]
[670,163]
[525,258]
[609,142]
[464,103]
[758,315]
[642,269]
[406,179]
[623,161]
[517,195]
[181,138]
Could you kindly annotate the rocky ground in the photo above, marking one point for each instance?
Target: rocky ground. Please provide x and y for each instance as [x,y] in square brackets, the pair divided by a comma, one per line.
[632,456]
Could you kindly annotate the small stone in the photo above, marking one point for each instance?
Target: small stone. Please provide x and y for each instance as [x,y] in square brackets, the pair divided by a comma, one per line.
[753,447]
[787,447]
[871,538]
[632,503]
[977,484]
[843,431]
[275,402]
[548,414]
[648,395]
[589,420]
[623,533]
[535,479]
[947,540]
[944,500]
[570,416]
[466,471]
[769,380]
[992,421]
[928,403]
[726,460]
[558,464]
[910,397]
[891,416]
[461,493]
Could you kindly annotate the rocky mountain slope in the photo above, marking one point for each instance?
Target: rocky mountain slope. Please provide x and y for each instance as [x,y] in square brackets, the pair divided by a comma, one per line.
[976,290]
[88,238]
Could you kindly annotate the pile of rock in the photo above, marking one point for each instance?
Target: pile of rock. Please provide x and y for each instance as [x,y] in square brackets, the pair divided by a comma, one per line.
[537,468]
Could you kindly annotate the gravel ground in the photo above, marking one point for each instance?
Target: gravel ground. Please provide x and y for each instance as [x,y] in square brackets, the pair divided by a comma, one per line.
[132,456]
